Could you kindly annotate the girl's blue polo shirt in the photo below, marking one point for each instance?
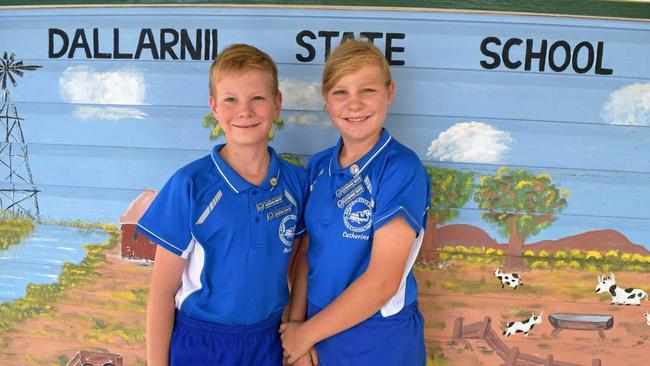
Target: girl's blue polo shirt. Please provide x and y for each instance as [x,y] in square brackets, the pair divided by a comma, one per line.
[236,238]
[347,205]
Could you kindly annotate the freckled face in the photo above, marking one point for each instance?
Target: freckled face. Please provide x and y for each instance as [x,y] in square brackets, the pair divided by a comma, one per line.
[245,106]
[358,103]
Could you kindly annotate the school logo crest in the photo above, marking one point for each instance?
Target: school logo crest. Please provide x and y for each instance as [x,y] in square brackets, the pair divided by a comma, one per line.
[287,230]
[357,216]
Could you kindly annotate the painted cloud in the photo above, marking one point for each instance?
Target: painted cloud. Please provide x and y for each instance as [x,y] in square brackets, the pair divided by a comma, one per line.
[470,142]
[304,98]
[124,86]
[629,105]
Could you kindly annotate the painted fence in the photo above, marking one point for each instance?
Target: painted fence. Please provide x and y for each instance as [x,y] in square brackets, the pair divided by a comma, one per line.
[535,131]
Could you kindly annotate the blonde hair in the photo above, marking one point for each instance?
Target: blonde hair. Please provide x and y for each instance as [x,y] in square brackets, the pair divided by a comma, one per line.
[349,57]
[242,57]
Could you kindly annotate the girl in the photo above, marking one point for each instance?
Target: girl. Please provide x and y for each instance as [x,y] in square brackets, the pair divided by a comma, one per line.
[365,218]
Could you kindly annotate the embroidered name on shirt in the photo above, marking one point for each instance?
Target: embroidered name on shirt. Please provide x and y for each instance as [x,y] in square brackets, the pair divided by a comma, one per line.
[281,212]
[348,235]
[269,203]
[352,195]
[348,186]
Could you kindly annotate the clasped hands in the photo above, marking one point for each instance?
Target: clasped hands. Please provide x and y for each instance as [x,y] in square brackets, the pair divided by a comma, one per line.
[298,348]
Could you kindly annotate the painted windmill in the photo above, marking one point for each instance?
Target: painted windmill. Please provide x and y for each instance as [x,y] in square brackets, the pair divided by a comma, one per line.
[18,194]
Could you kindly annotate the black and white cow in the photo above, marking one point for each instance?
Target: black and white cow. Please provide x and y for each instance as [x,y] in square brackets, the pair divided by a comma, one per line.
[508,279]
[523,326]
[647,318]
[620,296]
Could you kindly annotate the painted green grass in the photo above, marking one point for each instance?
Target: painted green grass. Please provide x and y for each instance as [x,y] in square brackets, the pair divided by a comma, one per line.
[14,228]
[435,356]
[38,298]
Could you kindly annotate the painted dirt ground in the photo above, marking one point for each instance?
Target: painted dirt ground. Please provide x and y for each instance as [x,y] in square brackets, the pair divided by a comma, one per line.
[472,292]
[108,315]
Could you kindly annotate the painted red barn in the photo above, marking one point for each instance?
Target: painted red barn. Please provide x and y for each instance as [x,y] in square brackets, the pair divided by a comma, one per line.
[135,245]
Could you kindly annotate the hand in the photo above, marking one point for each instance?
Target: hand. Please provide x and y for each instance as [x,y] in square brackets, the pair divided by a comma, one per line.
[308,359]
[294,340]
[285,314]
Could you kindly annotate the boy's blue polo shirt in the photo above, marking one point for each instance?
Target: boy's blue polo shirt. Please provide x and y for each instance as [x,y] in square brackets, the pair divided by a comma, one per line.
[347,205]
[236,238]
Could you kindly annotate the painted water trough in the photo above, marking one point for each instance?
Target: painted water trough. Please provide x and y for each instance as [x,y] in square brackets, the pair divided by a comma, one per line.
[573,321]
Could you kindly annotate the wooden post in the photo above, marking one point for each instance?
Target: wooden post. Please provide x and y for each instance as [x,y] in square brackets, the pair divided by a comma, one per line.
[458,327]
[595,362]
[485,327]
[549,360]
[512,357]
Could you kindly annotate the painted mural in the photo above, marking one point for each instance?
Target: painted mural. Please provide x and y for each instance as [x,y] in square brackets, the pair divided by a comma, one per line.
[535,132]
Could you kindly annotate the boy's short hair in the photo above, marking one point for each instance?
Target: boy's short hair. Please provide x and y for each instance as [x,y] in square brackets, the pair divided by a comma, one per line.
[241,57]
[349,57]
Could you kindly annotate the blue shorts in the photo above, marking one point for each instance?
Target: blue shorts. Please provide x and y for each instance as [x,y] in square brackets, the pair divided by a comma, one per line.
[392,341]
[196,342]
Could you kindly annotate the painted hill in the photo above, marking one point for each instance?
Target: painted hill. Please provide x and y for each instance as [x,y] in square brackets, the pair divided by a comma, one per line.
[601,240]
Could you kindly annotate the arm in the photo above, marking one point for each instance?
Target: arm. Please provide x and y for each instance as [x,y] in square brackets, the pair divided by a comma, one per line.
[364,297]
[165,280]
[298,301]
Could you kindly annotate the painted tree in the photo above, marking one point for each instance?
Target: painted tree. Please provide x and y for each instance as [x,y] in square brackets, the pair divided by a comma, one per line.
[216,131]
[450,190]
[520,204]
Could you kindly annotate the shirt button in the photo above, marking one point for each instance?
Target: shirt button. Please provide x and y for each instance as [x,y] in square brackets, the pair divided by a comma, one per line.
[274,181]
[354,169]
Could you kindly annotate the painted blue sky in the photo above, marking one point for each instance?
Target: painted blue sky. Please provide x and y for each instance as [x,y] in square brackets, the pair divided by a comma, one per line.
[101,131]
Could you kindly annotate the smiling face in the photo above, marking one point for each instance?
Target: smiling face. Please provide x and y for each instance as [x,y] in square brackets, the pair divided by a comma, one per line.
[358,103]
[245,106]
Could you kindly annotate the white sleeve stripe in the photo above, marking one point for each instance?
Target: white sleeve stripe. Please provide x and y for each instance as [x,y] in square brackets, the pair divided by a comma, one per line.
[408,216]
[209,209]
[159,238]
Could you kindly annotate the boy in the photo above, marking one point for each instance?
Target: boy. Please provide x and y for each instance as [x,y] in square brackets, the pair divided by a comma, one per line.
[226,225]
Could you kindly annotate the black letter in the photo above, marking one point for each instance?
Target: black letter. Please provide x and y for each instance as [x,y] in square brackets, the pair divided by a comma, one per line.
[390,49]
[150,44]
[166,47]
[506,53]
[96,53]
[530,55]
[567,56]
[116,46]
[311,51]
[64,47]
[488,53]
[328,40]
[599,61]
[215,43]
[371,36]
[590,57]
[79,41]
[347,36]
[186,45]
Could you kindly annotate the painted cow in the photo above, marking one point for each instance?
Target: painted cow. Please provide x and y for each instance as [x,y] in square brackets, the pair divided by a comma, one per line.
[508,279]
[620,296]
[647,318]
[524,326]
